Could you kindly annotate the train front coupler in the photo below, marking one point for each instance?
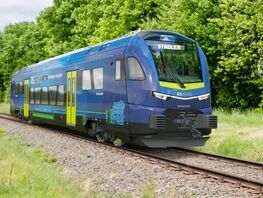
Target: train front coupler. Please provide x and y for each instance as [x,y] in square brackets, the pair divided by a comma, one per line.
[198,125]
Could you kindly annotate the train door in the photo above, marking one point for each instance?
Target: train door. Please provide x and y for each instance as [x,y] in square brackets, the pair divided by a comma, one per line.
[119,113]
[26,98]
[119,84]
[71,98]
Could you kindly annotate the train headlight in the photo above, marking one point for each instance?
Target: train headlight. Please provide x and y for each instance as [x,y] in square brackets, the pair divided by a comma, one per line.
[161,96]
[203,97]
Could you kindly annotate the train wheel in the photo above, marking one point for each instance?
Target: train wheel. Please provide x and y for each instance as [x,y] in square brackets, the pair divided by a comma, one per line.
[101,137]
[118,142]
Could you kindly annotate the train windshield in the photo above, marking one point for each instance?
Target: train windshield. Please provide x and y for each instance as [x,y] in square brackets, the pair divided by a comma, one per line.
[176,61]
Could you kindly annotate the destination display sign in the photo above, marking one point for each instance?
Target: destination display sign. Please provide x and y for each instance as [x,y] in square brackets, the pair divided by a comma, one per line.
[171,47]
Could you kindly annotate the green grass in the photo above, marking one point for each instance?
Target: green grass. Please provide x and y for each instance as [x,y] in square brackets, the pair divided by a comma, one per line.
[148,190]
[239,134]
[29,172]
[4,108]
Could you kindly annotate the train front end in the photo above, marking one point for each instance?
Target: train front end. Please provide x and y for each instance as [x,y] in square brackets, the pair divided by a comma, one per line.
[171,106]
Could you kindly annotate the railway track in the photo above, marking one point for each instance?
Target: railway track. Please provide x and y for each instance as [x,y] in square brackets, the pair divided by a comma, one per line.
[227,169]
[210,156]
[189,168]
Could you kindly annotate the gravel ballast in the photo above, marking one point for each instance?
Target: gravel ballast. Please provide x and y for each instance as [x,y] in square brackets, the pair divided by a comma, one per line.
[114,173]
[242,170]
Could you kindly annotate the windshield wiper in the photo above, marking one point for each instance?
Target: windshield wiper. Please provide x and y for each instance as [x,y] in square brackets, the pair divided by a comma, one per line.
[174,78]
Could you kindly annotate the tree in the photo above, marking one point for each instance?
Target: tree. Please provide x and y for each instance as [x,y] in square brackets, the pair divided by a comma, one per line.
[122,17]
[12,52]
[240,38]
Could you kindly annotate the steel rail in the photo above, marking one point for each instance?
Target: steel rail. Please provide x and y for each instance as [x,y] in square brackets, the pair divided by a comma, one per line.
[174,165]
[254,164]
[221,176]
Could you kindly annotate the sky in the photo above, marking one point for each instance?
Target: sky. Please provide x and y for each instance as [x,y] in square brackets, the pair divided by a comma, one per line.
[12,11]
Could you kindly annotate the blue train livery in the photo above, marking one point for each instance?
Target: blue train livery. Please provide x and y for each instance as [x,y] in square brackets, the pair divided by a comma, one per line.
[149,88]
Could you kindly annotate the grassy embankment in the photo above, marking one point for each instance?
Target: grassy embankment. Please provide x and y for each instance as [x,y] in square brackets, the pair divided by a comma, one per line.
[31,172]
[4,108]
[239,134]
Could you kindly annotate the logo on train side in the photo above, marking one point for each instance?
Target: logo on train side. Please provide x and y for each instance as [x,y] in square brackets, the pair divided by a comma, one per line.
[184,106]
[184,94]
[171,47]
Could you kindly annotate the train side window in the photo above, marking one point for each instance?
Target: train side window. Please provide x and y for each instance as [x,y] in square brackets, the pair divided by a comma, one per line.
[61,95]
[32,96]
[86,80]
[21,85]
[44,96]
[37,95]
[135,71]
[17,88]
[98,78]
[118,70]
[73,92]
[68,92]
[52,92]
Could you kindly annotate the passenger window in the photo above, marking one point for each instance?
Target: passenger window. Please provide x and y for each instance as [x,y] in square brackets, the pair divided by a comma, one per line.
[21,90]
[52,92]
[86,80]
[44,96]
[98,78]
[118,70]
[37,95]
[32,99]
[135,71]
[68,92]
[61,95]
[73,91]
[17,88]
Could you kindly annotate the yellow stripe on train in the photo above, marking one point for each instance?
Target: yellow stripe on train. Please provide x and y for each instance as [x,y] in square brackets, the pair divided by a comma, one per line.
[188,86]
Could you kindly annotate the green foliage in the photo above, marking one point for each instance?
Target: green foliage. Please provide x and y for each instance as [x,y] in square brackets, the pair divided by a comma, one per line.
[239,43]
[121,17]
[230,32]
[23,175]
[249,149]
[242,128]
[247,118]
[4,108]
[41,154]
[2,132]
[148,190]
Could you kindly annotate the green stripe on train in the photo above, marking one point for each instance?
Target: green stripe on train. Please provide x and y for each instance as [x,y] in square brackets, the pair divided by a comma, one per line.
[43,115]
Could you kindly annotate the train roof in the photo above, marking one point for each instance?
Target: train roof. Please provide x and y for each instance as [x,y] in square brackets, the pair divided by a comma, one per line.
[118,42]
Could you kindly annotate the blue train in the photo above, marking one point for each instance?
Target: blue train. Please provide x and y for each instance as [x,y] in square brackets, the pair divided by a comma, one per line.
[149,88]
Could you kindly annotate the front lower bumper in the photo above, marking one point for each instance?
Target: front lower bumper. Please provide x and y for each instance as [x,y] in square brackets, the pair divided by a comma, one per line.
[183,121]
[181,129]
